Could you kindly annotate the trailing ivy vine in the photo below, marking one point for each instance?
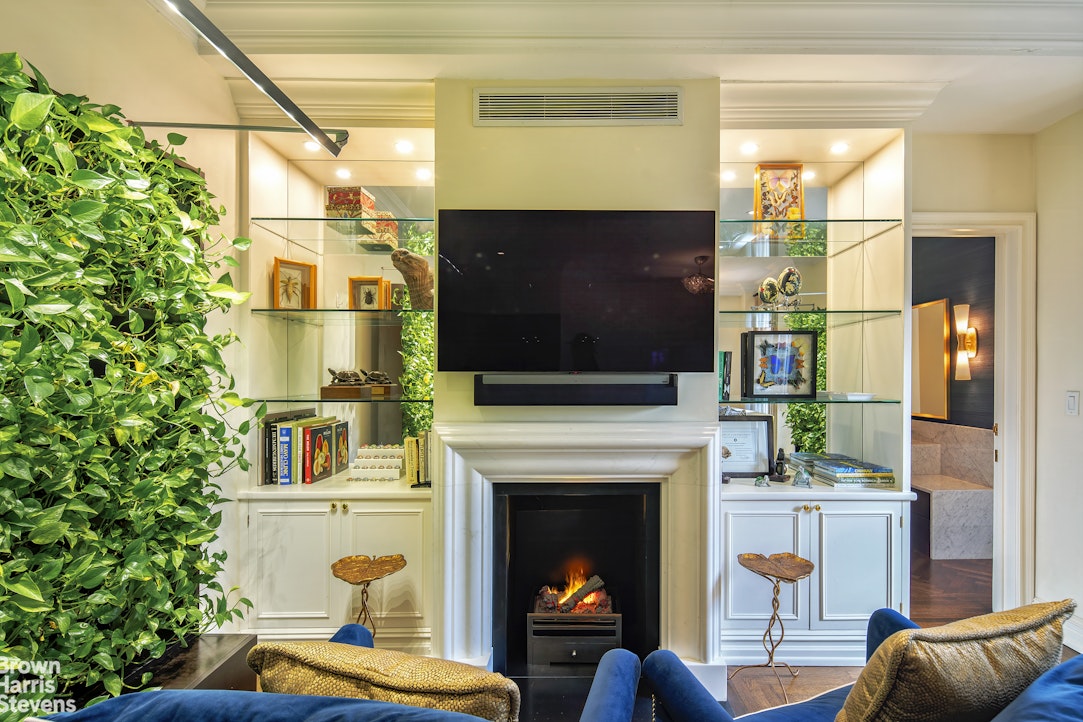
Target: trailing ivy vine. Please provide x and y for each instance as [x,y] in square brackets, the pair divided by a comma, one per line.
[808,422]
[418,347]
[112,391]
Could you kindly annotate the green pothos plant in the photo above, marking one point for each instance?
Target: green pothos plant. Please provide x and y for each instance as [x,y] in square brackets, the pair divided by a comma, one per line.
[808,422]
[113,393]
[418,346]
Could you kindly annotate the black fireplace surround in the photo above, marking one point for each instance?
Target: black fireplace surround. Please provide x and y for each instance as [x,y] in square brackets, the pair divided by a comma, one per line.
[541,528]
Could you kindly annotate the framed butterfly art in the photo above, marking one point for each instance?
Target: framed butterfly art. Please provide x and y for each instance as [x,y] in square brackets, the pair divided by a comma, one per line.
[779,364]
[779,196]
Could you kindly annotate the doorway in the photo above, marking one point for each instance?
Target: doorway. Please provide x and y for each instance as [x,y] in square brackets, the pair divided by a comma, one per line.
[1014,236]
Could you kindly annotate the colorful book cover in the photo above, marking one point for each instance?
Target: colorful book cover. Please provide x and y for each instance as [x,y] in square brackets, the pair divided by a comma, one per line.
[298,458]
[341,446]
[318,463]
[285,453]
[839,466]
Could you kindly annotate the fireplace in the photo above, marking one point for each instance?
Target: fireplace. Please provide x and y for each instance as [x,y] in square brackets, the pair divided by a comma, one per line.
[677,458]
[561,534]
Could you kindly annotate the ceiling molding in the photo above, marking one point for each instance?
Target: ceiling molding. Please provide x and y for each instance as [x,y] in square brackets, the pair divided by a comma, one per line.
[342,103]
[677,26]
[787,104]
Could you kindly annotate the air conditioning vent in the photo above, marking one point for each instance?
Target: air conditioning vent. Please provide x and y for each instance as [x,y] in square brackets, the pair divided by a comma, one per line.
[577,106]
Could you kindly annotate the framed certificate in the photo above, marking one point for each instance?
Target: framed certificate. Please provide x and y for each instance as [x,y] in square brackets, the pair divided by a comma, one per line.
[746,445]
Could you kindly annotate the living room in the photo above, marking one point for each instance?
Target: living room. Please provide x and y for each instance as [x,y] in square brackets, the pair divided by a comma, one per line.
[1006,184]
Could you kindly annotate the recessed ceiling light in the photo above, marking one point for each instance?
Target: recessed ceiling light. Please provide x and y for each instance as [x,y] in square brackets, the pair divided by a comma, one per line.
[840,147]
[808,175]
[312,146]
[749,148]
[729,176]
[423,174]
[404,146]
[343,173]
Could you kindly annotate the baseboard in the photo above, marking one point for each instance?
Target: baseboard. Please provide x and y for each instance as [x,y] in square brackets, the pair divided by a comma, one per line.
[575,390]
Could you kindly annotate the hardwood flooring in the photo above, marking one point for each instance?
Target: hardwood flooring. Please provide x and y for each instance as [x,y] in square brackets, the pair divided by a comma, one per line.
[941,591]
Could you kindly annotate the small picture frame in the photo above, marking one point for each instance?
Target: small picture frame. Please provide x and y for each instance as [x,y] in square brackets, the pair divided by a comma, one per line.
[293,284]
[780,197]
[746,444]
[779,364]
[366,293]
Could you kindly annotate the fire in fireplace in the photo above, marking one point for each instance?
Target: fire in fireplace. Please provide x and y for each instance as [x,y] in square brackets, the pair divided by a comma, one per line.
[571,628]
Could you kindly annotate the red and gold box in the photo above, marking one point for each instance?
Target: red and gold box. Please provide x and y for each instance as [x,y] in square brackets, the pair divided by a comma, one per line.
[352,202]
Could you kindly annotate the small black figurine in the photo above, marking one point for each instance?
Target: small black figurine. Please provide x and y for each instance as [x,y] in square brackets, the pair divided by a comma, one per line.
[780,464]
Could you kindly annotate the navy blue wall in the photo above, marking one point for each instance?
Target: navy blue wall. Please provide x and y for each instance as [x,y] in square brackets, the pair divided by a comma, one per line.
[963,270]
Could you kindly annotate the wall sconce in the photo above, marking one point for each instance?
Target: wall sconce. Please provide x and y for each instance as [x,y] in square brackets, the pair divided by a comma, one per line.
[967,342]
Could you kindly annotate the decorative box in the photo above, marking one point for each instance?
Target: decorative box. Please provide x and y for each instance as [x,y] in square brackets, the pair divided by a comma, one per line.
[345,392]
[351,202]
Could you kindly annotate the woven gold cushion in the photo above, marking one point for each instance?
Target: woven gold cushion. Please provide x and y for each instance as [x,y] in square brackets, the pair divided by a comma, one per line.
[963,672]
[345,670]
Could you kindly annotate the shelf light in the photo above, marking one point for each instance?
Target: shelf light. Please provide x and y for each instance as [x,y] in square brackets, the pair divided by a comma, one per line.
[404,146]
[749,148]
[343,173]
[840,147]
[312,146]
[423,174]
[218,40]
[729,176]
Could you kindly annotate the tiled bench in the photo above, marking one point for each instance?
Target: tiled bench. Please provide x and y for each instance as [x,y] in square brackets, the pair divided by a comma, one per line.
[960,516]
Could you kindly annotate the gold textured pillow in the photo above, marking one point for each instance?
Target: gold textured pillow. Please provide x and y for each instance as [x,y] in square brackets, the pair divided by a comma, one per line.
[964,671]
[344,670]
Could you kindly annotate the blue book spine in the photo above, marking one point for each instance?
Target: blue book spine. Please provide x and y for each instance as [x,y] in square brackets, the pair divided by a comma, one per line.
[285,454]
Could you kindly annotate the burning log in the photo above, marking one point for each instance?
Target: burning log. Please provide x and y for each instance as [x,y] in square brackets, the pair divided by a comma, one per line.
[592,584]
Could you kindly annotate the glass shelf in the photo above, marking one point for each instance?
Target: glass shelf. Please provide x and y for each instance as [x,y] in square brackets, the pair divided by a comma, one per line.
[834,318]
[798,238]
[346,235]
[393,398]
[321,316]
[822,397]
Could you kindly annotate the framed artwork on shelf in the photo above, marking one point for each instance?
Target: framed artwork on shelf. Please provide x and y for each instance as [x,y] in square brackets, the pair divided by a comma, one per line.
[746,445]
[779,196]
[366,293]
[293,284]
[778,364]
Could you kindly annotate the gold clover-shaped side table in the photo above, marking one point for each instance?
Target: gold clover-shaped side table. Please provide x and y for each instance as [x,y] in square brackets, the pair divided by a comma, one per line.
[362,570]
[777,568]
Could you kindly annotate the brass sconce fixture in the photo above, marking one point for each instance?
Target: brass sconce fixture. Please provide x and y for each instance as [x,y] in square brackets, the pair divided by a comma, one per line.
[967,342]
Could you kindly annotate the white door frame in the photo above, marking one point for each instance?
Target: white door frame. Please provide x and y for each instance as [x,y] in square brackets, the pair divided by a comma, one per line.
[1014,397]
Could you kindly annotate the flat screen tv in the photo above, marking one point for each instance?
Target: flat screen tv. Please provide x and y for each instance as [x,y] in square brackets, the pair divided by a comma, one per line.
[574,291]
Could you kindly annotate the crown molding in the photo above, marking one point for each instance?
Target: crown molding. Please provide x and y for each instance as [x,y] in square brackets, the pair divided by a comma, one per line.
[342,103]
[790,104]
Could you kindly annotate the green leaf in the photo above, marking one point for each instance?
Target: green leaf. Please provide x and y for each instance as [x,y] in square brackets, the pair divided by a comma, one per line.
[24,586]
[90,180]
[242,243]
[16,293]
[176,138]
[86,210]
[49,533]
[65,157]
[30,110]
[221,290]
[92,577]
[113,684]
[32,606]
[38,389]
[49,309]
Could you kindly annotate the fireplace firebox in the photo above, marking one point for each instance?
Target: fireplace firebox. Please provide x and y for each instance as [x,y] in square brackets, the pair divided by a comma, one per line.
[553,539]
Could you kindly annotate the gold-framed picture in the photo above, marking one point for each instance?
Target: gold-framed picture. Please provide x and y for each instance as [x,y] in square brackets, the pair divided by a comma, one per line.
[293,284]
[780,197]
[366,293]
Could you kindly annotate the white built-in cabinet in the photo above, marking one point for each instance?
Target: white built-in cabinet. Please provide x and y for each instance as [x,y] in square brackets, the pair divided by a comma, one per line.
[854,543]
[295,535]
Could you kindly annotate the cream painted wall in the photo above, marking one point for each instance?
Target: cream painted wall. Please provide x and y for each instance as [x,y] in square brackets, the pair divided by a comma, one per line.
[1059,503]
[966,173]
[623,167]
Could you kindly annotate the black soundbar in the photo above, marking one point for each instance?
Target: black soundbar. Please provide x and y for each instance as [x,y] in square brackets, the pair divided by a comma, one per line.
[575,390]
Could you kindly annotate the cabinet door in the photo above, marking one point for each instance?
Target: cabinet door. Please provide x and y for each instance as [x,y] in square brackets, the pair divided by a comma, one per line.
[291,549]
[400,603]
[854,548]
[762,528]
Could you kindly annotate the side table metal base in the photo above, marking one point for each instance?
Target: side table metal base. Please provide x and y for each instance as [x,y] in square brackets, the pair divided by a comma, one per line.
[770,644]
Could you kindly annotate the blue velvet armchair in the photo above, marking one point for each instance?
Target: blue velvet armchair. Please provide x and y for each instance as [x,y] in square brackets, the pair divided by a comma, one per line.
[1053,695]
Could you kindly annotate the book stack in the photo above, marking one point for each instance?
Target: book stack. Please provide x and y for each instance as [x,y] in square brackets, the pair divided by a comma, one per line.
[378,462]
[805,459]
[852,472]
[298,447]
[417,459]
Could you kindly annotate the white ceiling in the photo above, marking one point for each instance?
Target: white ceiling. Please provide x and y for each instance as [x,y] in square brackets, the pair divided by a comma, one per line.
[955,66]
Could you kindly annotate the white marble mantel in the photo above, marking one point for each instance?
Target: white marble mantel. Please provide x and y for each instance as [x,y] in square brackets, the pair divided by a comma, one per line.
[681,457]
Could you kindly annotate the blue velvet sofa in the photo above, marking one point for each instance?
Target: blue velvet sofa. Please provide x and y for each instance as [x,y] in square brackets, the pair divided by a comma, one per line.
[611,699]
[1055,694]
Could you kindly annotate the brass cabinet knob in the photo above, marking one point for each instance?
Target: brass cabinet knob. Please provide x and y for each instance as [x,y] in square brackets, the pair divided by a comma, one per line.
[806,507]
[334,505]
[345,507]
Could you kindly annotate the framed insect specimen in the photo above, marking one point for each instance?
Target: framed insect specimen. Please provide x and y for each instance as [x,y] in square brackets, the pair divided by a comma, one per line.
[366,293]
[293,284]
[780,364]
